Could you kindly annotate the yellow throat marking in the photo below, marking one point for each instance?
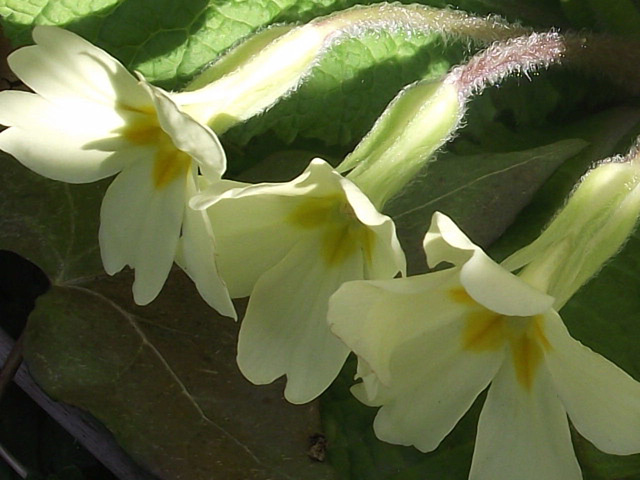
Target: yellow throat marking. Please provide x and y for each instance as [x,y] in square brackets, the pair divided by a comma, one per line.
[343,234]
[169,163]
[488,331]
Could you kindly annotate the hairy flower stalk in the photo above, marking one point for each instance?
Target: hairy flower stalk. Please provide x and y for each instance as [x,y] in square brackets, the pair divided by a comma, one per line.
[274,62]
[589,230]
[428,345]
[426,115]
[597,55]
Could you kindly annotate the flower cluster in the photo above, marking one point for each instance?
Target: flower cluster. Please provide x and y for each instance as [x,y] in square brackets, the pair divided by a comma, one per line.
[323,269]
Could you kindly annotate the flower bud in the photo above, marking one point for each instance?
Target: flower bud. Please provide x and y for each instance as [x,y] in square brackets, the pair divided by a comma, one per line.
[594,224]
[415,124]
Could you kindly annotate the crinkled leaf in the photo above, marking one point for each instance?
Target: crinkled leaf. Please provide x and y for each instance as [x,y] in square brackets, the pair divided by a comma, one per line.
[167,41]
[171,41]
[336,103]
[162,378]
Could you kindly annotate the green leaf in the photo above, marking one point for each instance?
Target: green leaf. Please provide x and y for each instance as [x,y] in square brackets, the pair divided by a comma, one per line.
[167,41]
[162,378]
[52,224]
[482,193]
[608,133]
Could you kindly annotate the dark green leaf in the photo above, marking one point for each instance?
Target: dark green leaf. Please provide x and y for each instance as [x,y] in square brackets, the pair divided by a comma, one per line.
[482,193]
[163,379]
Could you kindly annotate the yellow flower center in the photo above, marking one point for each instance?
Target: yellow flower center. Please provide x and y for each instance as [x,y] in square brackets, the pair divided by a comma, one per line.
[170,163]
[486,330]
[343,234]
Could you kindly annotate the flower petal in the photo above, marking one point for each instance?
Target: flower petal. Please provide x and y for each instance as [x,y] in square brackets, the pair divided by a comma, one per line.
[140,226]
[252,236]
[499,290]
[484,280]
[198,254]
[58,142]
[251,227]
[408,332]
[285,330]
[445,242]
[67,69]
[187,135]
[387,258]
[523,435]
[374,318]
[602,400]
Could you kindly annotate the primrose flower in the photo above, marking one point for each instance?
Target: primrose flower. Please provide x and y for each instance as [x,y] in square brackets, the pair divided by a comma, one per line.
[290,246]
[88,119]
[428,345]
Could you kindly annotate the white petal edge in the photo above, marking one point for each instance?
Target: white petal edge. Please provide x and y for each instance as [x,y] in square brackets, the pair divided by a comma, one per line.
[319,179]
[251,227]
[252,236]
[445,242]
[374,318]
[484,280]
[50,140]
[433,384]
[388,258]
[603,401]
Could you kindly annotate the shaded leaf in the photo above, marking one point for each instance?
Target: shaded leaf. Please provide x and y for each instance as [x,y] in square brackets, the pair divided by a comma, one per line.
[163,379]
[50,223]
[482,193]
[617,16]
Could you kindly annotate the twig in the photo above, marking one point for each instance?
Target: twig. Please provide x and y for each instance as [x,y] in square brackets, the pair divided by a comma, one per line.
[13,462]
[11,365]
[89,432]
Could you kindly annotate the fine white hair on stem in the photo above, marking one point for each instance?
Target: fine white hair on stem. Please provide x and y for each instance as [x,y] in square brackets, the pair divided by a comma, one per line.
[599,55]
[518,55]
